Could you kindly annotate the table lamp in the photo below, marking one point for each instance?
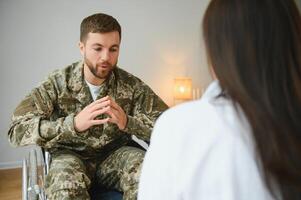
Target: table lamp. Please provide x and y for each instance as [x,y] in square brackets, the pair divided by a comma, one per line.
[182,89]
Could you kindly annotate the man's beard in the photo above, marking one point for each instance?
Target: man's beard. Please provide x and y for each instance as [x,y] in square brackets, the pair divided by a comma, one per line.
[97,71]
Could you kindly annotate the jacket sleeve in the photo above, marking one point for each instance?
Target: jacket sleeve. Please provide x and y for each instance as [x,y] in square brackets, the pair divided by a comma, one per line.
[147,108]
[31,122]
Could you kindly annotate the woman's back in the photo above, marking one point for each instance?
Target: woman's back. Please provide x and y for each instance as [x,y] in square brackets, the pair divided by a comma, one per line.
[254,50]
[203,150]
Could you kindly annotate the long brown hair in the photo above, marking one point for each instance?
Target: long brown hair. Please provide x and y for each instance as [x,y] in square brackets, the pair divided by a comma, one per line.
[254,48]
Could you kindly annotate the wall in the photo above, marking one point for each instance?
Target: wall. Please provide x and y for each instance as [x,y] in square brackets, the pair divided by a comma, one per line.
[161,40]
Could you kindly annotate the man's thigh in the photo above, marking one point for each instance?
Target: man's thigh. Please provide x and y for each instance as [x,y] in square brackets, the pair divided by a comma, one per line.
[67,178]
[121,169]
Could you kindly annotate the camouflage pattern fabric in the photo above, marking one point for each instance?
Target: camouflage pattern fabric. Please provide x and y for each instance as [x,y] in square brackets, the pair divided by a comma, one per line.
[67,178]
[121,171]
[70,177]
[45,116]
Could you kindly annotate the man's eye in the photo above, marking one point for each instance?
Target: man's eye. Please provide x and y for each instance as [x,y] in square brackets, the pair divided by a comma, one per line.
[97,49]
[113,50]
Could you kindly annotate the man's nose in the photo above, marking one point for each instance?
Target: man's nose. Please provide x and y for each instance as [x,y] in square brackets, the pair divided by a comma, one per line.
[105,55]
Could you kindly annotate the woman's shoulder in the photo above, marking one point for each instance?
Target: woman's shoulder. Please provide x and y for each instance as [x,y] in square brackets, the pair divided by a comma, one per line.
[202,124]
[208,113]
[190,114]
[212,114]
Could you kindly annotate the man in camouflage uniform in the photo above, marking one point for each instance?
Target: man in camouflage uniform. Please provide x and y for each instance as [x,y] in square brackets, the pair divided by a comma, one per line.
[85,115]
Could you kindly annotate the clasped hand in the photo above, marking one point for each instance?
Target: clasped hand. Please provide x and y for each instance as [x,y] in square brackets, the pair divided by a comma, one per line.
[106,105]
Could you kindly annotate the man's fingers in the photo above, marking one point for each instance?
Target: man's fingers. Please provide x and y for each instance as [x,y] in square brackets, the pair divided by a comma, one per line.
[114,104]
[111,120]
[113,116]
[105,105]
[99,121]
[99,106]
[102,99]
[99,112]
[105,101]
[98,101]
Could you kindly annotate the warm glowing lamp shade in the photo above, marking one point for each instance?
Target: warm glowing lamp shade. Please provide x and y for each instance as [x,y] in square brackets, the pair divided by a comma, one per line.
[182,88]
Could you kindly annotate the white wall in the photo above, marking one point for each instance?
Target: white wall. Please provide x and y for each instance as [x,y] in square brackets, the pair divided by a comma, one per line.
[161,40]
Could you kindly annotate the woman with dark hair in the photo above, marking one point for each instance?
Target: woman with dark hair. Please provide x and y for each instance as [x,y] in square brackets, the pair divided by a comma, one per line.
[242,139]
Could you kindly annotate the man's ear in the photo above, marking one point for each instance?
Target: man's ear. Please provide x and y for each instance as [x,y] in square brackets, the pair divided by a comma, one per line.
[81,46]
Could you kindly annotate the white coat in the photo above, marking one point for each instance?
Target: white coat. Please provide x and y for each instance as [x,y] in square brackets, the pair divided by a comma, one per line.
[202,150]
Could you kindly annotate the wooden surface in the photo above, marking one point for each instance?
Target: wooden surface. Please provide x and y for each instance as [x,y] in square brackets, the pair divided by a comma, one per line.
[11,184]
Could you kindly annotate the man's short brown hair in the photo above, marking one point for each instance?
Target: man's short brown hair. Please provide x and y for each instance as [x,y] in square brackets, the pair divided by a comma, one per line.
[98,23]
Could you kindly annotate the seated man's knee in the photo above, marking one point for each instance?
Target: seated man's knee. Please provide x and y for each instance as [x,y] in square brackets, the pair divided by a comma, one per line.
[131,172]
[132,166]
[67,178]
[121,168]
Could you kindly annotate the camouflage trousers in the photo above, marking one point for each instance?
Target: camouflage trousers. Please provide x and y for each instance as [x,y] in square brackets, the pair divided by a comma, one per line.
[70,177]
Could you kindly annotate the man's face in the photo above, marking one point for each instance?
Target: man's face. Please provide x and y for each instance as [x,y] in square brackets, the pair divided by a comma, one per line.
[100,52]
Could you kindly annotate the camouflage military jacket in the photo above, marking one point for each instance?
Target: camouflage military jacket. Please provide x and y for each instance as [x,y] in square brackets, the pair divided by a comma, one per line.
[45,116]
